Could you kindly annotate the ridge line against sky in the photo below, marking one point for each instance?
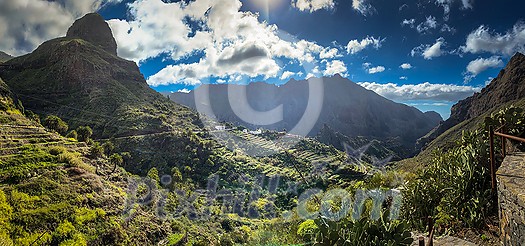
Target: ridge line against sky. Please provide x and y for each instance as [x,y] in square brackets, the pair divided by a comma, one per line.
[425,53]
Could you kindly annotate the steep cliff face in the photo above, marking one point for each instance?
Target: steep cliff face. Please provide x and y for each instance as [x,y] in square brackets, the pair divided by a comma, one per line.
[508,86]
[95,30]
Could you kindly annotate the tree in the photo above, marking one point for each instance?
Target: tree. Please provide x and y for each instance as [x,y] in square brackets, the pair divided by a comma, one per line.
[96,150]
[84,133]
[108,147]
[116,160]
[72,134]
[54,123]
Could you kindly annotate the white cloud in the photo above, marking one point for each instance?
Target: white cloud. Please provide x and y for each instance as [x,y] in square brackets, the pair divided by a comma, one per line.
[466,4]
[406,66]
[378,69]
[184,90]
[362,6]
[424,91]
[430,51]
[429,23]
[447,28]
[485,40]
[335,67]
[26,24]
[329,53]
[410,23]
[403,78]
[355,46]
[233,44]
[313,5]
[479,65]
[286,75]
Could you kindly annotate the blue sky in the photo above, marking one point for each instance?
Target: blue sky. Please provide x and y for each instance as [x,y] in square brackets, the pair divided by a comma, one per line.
[425,53]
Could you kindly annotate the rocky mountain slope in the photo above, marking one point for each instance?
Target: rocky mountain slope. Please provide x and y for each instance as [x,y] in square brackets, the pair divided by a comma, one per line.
[507,89]
[56,190]
[4,57]
[80,79]
[508,86]
[348,108]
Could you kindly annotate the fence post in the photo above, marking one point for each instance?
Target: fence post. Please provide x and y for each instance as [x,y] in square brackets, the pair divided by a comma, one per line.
[492,159]
[503,143]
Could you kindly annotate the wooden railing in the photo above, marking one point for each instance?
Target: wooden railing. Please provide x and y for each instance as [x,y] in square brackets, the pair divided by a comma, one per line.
[500,132]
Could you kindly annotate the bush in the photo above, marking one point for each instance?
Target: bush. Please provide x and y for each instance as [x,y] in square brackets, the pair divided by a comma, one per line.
[307,230]
[54,123]
[84,133]
[57,150]
[96,151]
[364,232]
[70,158]
[72,134]
[108,147]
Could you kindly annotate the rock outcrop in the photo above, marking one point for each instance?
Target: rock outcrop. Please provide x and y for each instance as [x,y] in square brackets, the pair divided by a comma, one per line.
[95,30]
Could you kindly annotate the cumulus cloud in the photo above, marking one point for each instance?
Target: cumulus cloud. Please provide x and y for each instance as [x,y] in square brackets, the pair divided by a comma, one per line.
[355,46]
[362,6]
[286,75]
[26,24]
[313,5]
[329,53]
[335,67]
[484,40]
[479,65]
[430,51]
[378,69]
[406,66]
[424,91]
[372,70]
[233,44]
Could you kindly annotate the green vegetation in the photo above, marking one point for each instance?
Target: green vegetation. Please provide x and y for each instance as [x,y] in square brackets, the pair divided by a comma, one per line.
[53,123]
[84,133]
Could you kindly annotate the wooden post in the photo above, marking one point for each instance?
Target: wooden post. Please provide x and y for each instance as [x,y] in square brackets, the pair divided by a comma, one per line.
[430,231]
[503,142]
[492,159]
[421,241]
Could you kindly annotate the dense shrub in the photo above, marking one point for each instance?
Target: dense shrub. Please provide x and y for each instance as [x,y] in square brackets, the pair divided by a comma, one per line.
[362,232]
[455,190]
[84,133]
[54,123]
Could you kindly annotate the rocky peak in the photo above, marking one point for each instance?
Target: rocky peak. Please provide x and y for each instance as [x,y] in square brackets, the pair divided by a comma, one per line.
[508,86]
[95,30]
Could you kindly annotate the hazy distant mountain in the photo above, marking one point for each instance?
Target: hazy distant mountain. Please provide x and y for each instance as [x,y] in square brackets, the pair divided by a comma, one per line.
[348,108]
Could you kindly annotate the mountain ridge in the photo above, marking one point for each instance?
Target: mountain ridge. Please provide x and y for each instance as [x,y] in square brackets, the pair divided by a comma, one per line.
[348,108]
[508,86]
